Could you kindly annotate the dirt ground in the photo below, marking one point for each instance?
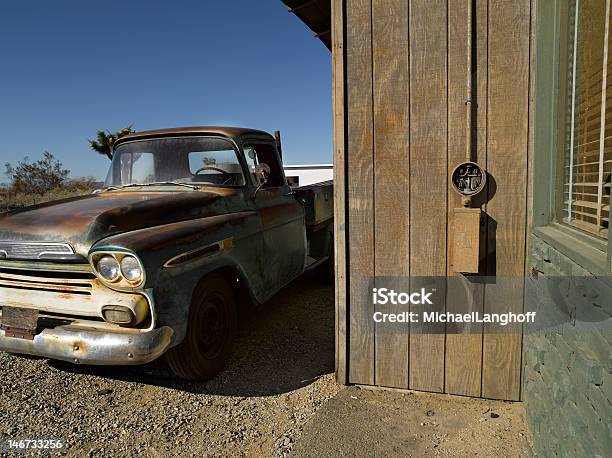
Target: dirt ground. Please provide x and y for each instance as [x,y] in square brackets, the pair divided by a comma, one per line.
[277,398]
[375,423]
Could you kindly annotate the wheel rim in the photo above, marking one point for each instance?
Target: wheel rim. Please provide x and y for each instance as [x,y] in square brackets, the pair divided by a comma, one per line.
[214,328]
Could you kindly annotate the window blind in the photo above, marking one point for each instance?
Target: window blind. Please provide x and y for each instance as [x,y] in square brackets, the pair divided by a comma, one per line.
[585,202]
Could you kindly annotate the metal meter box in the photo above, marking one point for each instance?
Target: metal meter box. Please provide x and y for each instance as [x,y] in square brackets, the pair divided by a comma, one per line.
[466,240]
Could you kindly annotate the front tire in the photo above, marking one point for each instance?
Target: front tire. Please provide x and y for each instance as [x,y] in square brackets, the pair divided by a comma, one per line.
[211,329]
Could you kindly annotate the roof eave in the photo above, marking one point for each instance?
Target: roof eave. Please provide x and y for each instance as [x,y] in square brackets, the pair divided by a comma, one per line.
[316,14]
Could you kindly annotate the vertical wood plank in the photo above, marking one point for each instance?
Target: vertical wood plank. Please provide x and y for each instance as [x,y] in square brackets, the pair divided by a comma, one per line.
[465,294]
[339,187]
[482,25]
[359,166]
[482,153]
[428,177]
[530,159]
[391,174]
[508,117]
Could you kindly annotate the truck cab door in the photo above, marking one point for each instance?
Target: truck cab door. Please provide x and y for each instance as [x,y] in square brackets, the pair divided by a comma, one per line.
[282,218]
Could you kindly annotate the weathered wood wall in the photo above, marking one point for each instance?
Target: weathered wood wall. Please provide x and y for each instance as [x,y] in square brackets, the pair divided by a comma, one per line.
[401,83]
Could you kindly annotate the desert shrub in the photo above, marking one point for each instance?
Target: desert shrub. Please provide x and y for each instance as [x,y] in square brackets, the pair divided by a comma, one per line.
[37,177]
[72,188]
[41,181]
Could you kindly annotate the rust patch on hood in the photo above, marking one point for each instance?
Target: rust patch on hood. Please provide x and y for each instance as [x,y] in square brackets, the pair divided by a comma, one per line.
[84,220]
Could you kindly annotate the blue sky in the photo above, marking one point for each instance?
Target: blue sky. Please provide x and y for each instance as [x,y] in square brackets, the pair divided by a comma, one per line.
[70,68]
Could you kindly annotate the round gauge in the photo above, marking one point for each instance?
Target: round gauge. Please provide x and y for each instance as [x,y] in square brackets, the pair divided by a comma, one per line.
[468,179]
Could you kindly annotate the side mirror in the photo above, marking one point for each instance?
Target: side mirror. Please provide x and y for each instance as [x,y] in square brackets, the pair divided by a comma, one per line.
[262,172]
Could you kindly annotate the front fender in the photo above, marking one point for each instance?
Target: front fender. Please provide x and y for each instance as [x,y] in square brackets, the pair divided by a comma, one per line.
[238,237]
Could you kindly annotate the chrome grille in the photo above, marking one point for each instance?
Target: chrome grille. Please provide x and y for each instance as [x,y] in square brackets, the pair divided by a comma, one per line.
[58,282]
[35,250]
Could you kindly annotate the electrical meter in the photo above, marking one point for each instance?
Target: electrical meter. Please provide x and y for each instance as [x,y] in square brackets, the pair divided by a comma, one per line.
[468,179]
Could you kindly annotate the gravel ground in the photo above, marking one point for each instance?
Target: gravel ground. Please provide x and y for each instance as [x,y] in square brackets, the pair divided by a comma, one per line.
[279,376]
[277,398]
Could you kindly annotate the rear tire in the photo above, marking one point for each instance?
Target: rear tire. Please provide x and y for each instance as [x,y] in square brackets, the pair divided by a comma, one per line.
[326,271]
[211,329]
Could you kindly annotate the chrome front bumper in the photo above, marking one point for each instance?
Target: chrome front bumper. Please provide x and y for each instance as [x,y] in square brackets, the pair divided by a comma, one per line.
[90,346]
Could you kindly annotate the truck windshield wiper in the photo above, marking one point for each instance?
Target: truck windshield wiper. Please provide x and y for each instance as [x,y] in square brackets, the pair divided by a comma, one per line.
[155,183]
[170,183]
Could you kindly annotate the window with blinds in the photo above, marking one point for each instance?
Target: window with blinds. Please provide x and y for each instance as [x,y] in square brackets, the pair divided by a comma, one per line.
[586,117]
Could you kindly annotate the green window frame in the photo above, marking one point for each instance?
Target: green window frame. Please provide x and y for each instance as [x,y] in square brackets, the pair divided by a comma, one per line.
[550,140]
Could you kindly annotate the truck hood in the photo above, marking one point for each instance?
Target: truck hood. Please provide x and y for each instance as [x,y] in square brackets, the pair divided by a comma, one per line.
[82,221]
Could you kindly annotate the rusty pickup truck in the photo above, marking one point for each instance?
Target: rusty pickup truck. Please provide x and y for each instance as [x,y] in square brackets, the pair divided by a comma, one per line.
[191,223]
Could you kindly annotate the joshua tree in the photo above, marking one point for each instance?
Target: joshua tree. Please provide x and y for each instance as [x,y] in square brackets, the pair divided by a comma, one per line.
[105,140]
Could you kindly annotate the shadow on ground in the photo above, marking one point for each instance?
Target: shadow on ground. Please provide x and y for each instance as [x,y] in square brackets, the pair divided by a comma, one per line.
[282,345]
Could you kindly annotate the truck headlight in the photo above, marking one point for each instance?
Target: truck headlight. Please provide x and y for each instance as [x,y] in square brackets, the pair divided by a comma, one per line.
[130,268]
[119,269]
[109,269]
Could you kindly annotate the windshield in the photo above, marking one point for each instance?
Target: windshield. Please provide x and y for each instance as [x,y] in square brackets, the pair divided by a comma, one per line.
[198,161]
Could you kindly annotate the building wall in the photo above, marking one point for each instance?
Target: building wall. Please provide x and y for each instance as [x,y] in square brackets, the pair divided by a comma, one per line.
[568,368]
[567,381]
[302,175]
[401,82]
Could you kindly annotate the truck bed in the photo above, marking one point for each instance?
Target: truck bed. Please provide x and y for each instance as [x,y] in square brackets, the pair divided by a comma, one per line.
[318,201]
